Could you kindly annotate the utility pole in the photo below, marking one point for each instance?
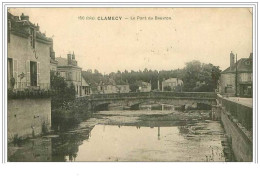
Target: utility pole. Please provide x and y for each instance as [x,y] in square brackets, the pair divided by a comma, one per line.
[236,77]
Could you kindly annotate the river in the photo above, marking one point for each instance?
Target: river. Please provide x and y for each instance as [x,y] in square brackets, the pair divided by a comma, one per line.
[141,135]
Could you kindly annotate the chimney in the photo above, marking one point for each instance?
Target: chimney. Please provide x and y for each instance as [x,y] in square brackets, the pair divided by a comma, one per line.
[73,56]
[37,27]
[69,58]
[23,17]
[232,60]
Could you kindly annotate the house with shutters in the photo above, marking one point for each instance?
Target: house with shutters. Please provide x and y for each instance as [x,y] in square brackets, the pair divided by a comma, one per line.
[111,86]
[172,84]
[68,68]
[237,79]
[30,54]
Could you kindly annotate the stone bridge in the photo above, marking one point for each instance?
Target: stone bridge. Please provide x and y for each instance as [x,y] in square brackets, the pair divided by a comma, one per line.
[133,100]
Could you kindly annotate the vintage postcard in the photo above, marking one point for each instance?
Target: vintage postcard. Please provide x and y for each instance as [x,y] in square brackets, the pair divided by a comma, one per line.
[157,84]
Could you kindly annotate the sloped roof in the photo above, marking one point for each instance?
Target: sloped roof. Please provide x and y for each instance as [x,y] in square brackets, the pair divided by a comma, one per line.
[84,83]
[243,65]
[19,26]
[64,62]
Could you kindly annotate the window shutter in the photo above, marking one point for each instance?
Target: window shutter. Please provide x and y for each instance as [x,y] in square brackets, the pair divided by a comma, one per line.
[28,74]
[15,71]
[38,74]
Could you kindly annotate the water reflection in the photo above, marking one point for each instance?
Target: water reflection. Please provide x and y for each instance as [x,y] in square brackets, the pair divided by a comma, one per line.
[198,140]
[66,146]
[56,148]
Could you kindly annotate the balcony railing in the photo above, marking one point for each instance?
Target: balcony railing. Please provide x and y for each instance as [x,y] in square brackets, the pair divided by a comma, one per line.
[19,86]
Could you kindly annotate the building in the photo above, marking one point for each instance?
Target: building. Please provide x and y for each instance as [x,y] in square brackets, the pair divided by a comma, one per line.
[172,84]
[237,79]
[123,87]
[110,86]
[106,87]
[53,61]
[86,90]
[28,66]
[68,68]
[144,86]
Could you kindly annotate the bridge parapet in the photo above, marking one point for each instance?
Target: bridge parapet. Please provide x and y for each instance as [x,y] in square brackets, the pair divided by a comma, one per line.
[242,113]
[190,95]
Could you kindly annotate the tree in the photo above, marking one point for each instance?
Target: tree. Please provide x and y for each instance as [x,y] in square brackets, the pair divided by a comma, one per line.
[62,93]
[200,77]
[191,75]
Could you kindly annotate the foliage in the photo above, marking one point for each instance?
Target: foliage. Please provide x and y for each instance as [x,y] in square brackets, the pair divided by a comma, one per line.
[196,76]
[200,77]
[132,77]
[28,93]
[17,140]
[67,111]
[68,116]
[62,93]
[167,88]
[12,81]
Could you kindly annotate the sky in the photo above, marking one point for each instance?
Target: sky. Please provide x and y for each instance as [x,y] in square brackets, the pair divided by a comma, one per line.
[204,34]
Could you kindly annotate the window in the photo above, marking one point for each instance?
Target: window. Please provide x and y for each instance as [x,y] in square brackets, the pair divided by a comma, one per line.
[33,73]
[69,76]
[10,68]
[10,72]
[9,31]
[244,77]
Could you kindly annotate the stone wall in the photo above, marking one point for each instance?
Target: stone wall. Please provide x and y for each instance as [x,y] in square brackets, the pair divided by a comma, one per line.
[237,120]
[26,115]
[241,145]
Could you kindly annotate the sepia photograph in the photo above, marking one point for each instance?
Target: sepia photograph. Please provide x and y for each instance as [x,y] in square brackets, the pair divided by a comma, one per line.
[130,84]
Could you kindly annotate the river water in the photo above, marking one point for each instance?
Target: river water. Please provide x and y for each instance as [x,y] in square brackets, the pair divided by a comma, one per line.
[132,136]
